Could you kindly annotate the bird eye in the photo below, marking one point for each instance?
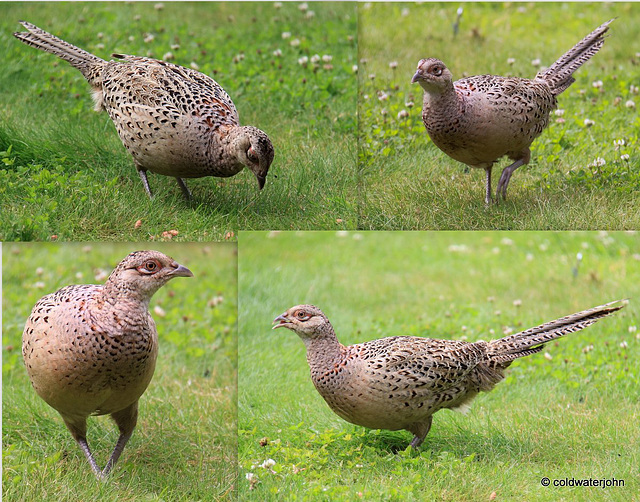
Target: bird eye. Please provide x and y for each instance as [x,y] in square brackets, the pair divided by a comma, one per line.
[149,267]
[251,155]
[437,71]
[302,315]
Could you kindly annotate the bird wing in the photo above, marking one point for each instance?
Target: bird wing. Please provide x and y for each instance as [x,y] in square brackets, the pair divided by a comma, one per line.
[420,364]
[177,90]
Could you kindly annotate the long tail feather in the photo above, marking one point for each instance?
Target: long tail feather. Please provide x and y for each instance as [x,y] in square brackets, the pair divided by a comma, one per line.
[84,61]
[532,340]
[559,74]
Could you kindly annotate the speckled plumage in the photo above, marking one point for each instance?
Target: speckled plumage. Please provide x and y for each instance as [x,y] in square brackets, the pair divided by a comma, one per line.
[91,349]
[174,121]
[477,120]
[400,382]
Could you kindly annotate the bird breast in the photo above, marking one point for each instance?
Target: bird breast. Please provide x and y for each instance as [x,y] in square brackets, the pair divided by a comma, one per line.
[77,349]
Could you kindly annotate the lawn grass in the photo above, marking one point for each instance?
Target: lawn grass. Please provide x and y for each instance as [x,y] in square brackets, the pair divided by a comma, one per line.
[572,416]
[66,174]
[411,184]
[185,444]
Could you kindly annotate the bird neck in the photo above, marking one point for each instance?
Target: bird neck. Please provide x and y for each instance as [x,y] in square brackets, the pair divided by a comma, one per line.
[440,97]
[119,293]
[324,352]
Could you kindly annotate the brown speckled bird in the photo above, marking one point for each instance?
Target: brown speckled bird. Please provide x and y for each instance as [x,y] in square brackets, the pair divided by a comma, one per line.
[400,382]
[174,121]
[477,120]
[91,349]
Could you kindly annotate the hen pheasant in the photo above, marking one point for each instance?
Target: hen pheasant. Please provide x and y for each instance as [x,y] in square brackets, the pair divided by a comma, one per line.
[174,121]
[477,120]
[91,349]
[400,382]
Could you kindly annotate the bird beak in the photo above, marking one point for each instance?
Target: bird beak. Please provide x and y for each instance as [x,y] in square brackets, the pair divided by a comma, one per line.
[182,271]
[261,180]
[416,77]
[282,321]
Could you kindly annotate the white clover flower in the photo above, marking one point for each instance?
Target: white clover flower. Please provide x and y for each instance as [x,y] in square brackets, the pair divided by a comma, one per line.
[277,53]
[548,356]
[559,112]
[630,104]
[286,34]
[303,60]
[511,61]
[517,303]
[310,14]
[132,38]
[588,122]
[100,35]
[168,56]
[194,65]
[393,65]
[315,59]
[403,114]
[148,38]
[327,67]
[250,476]
[633,89]
[597,84]
[175,47]
[158,6]
[354,68]
[326,58]
[294,43]
[277,5]
[384,111]
[409,104]
[303,6]
[598,162]
[364,61]
[404,12]
[267,464]
[382,96]
[535,62]
[100,46]
[624,156]
[372,76]
[632,329]
[618,143]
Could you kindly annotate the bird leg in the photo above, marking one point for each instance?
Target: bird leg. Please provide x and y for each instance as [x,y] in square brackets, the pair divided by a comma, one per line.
[145,181]
[507,172]
[82,442]
[420,431]
[117,451]
[487,197]
[126,421]
[183,187]
[78,429]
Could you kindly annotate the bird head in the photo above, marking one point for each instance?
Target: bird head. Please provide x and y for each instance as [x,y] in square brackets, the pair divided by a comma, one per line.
[307,321]
[255,151]
[144,272]
[432,75]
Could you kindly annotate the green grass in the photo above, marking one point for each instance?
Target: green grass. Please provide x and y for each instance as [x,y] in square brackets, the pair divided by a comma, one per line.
[185,444]
[572,416]
[65,172]
[411,184]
